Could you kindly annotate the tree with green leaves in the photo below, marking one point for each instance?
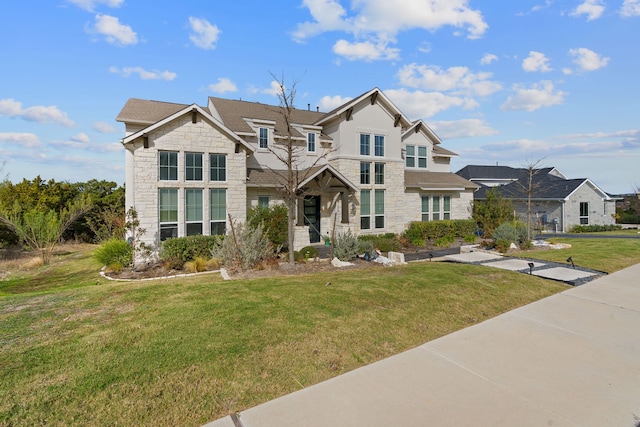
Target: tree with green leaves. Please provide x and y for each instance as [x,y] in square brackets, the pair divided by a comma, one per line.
[492,211]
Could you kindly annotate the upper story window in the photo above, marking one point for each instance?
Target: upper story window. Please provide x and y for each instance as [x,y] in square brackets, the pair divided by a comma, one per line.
[264,138]
[410,156]
[379,145]
[217,167]
[169,165]
[365,144]
[311,142]
[379,173]
[193,166]
[422,156]
[365,173]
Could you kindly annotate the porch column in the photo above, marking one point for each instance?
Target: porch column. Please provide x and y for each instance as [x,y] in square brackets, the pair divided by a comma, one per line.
[345,207]
[300,210]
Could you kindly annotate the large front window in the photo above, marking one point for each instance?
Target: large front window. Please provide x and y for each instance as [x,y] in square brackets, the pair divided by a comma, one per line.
[365,209]
[379,208]
[365,144]
[218,167]
[193,166]
[168,212]
[193,211]
[584,213]
[218,210]
[365,173]
[169,165]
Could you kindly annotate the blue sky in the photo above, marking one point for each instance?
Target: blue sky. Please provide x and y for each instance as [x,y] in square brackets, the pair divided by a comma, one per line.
[510,82]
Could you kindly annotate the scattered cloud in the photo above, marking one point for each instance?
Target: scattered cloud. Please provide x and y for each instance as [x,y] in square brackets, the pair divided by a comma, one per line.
[542,94]
[465,128]
[536,61]
[630,8]
[40,114]
[488,58]
[143,74]
[224,85]
[24,139]
[593,9]
[328,103]
[90,5]
[104,127]
[587,59]
[419,104]
[458,80]
[113,31]
[519,145]
[367,51]
[539,7]
[274,89]
[81,137]
[205,35]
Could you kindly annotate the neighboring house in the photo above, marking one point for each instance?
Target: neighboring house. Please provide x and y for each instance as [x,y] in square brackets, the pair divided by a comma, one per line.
[363,167]
[557,203]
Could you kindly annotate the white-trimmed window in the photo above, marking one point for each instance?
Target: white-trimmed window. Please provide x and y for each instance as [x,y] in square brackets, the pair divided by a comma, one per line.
[410,156]
[422,156]
[193,211]
[168,165]
[365,173]
[436,208]
[365,209]
[168,213]
[263,137]
[217,167]
[425,208]
[446,207]
[379,173]
[379,208]
[218,210]
[584,213]
[311,142]
[193,166]
[263,201]
[378,147]
[365,144]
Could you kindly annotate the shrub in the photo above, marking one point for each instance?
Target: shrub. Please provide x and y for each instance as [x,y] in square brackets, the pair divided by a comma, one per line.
[213,264]
[115,254]
[416,233]
[419,232]
[180,250]
[274,221]
[365,247]
[198,265]
[384,242]
[470,238]
[244,247]
[594,228]
[510,232]
[308,252]
[345,246]
[443,242]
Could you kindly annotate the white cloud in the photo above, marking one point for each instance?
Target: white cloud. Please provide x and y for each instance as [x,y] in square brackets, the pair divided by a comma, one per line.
[328,103]
[488,58]
[587,59]
[81,137]
[274,89]
[224,85]
[419,104]
[365,50]
[27,140]
[539,95]
[143,74]
[536,61]
[630,8]
[519,146]
[462,128]
[459,80]
[104,127]
[375,23]
[592,8]
[205,35]
[90,5]
[113,31]
[40,114]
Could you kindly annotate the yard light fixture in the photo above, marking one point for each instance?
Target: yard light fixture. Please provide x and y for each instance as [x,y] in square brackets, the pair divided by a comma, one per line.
[570,259]
[430,257]
[531,265]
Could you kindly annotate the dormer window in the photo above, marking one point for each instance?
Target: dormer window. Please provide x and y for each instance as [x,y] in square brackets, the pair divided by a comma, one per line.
[264,138]
[311,142]
[410,156]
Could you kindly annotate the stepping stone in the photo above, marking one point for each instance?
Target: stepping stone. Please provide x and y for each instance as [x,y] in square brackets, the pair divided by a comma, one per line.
[471,257]
[562,273]
[513,264]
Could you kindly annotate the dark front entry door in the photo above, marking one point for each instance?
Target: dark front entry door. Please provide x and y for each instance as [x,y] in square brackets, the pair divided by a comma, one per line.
[312,217]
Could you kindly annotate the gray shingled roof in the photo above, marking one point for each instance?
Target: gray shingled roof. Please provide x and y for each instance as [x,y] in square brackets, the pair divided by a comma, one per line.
[436,180]
[544,186]
[147,112]
[480,172]
[275,178]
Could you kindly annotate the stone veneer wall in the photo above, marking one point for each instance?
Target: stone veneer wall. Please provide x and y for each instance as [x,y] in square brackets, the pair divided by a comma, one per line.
[182,136]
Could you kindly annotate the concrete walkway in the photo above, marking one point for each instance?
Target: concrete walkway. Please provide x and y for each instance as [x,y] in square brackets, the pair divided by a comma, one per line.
[572,359]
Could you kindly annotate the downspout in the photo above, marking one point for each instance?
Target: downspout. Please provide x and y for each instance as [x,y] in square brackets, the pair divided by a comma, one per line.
[564,203]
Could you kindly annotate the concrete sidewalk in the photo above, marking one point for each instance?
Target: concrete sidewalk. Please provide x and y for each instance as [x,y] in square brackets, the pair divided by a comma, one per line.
[572,359]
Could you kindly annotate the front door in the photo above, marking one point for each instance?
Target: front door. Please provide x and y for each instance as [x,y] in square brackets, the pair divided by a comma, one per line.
[312,217]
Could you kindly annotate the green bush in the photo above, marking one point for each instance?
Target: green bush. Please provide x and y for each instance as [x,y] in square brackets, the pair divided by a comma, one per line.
[510,232]
[274,221]
[594,228]
[179,250]
[419,232]
[384,242]
[345,246]
[115,254]
[366,246]
[246,249]
[444,241]
[470,238]
[308,252]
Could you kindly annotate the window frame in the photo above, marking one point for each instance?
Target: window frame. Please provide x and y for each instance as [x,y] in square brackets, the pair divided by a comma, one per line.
[379,209]
[378,145]
[584,213]
[421,157]
[311,142]
[189,156]
[214,220]
[263,140]
[171,223]
[196,208]
[215,167]
[424,208]
[263,201]
[365,210]
[435,208]
[378,173]
[365,173]
[446,207]
[170,170]
[410,156]
[365,144]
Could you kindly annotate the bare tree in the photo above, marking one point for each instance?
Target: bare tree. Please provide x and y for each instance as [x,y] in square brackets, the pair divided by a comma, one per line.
[530,186]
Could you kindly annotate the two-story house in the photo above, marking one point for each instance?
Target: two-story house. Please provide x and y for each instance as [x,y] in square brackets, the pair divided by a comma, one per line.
[363,166]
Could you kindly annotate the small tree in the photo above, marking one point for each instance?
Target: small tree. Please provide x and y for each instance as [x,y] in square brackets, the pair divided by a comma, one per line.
[41,231]
[141,251]
[492,212]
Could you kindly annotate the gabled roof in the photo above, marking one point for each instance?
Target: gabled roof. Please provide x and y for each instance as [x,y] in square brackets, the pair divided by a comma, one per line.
[145,112]
[275,178]
[234,113]
[442,152]
[189,109]
[421,126]
[443,181]
[374,95]
[488,173]
[544,187]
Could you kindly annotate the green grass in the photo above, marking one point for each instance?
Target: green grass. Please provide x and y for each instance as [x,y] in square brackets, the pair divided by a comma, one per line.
[606,255]
[78,350]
